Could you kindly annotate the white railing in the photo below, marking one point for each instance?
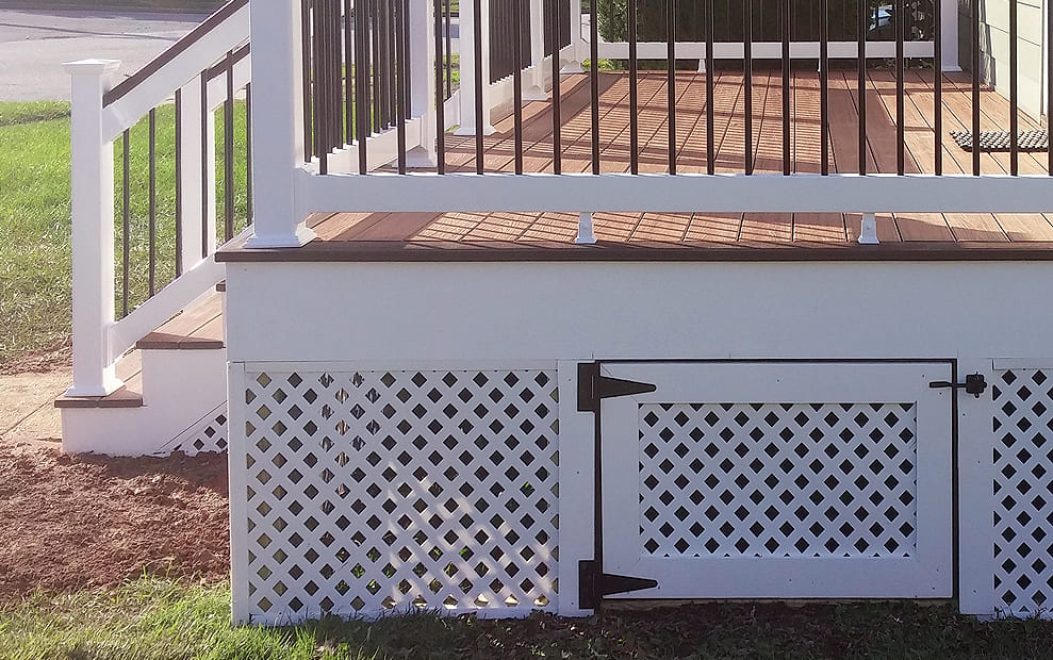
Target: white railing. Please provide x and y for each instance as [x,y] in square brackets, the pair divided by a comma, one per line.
[102,111]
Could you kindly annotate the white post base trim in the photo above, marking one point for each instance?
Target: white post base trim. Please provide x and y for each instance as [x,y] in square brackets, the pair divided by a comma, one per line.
[701,65]
[468,130]
[535,93]
[110,383]
[586,232]
[300,238]
[868,230]
[571,67]
[951,68]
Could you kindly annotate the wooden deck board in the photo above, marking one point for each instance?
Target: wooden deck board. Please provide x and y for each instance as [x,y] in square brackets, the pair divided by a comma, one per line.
[441,233]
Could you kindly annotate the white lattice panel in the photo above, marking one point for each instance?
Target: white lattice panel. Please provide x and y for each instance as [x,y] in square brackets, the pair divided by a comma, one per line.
[207,436]
[381,490]
[1023,491]
[770,480]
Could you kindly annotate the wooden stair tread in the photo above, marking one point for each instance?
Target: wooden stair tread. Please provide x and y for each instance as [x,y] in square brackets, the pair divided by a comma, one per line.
[128,396]
[198,328]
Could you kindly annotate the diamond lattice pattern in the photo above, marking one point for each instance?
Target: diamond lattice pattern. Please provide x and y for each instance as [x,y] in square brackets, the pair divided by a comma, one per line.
[1023,488]
[778,480]
[381,490]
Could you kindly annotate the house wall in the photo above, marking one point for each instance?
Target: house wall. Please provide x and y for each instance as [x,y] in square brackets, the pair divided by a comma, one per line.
[994,46]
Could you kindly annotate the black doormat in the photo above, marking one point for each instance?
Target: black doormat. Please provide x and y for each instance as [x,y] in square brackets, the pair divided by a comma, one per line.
[1000,140]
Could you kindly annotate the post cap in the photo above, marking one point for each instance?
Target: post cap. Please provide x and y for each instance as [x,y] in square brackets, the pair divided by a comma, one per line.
[91,67]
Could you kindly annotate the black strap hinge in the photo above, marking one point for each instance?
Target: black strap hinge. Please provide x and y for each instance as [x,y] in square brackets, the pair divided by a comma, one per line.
[975,384]
[594,585]
[594,387]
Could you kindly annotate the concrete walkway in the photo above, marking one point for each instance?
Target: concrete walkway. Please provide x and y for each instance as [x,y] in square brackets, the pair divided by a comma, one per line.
[35,44]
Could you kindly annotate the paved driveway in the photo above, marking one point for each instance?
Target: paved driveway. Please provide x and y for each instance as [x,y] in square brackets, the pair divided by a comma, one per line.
[34,45]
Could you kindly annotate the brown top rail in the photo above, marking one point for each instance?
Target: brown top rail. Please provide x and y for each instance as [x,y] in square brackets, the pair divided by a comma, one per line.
[131,82]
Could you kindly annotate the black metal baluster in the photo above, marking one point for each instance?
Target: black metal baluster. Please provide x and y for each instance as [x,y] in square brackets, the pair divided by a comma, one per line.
[392,34]
[634,91]
[228,153]
[784,6]
[975,11]
[362,101]
[399,11]
[440,96]
[206,166]
[557,115]
[861,71]
[477,29]
[517,82]
[375,71]
[747,66]
[349,75]
[307,51]
[449,49]
[671,79]
[594,81]
[901,127]
[179,182]
[711,156]
[937,69]
[126,221]
[1014,101]
[248,153]
[152,192]
[824,86]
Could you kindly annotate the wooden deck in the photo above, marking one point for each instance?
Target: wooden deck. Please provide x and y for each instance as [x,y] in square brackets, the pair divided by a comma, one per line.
[453,236]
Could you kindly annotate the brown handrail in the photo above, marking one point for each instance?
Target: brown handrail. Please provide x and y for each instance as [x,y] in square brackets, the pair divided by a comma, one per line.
[131,82]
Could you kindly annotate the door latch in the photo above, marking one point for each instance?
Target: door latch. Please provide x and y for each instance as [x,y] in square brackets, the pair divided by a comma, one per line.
[975,384]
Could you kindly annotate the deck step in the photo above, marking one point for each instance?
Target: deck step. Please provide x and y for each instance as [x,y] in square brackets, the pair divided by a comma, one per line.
[167,341]
[127,397]
[198,328]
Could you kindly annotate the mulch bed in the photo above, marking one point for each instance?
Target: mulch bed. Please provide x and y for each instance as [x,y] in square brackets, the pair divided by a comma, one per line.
[74,522]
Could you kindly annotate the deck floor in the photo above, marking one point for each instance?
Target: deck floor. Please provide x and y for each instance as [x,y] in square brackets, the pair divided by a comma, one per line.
[454,232]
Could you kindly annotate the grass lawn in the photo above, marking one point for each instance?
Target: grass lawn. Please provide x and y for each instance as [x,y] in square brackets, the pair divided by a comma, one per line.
[159,618]
[35,227]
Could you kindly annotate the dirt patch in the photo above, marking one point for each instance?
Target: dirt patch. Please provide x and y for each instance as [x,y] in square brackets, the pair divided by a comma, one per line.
[76,522]
[38,362]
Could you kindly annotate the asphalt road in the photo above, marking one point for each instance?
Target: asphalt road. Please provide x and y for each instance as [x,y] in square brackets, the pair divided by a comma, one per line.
[35,44]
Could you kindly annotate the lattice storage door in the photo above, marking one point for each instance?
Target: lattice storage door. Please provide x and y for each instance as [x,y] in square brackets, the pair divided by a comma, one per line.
[768,480]
[779,480]
[1023,491]
[380,490]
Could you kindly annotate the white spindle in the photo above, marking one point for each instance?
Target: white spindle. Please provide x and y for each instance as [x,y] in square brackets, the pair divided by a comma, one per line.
[578,46]
[949,31]
[422,80]
[277,124]
[534,84]
[469,66]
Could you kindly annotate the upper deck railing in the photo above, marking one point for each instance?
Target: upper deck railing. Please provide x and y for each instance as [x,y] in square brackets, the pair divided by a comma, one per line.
[410,126]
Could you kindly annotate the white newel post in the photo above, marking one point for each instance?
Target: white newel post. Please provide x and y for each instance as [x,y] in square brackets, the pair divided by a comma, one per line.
[276,125]
[92,212]
[468,91]
[949,32]
[422,81]
[534,88]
